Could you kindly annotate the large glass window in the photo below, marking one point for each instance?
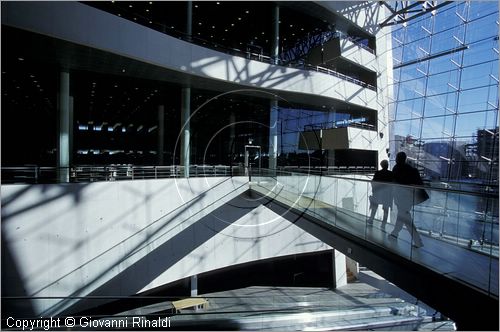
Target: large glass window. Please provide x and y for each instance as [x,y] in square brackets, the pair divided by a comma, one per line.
[446,109]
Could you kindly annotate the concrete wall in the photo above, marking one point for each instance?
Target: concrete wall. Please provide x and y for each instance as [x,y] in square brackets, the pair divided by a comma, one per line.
[84,25]
[367,15]
[121,238]
[357,54]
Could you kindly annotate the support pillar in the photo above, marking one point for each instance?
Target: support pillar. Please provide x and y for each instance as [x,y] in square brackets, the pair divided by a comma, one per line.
[194,285]
[232,131]
[65,114]
[189,20]
[275,34]
[339,269]
[185,129]
[161,134]
[273,134]
[353,267]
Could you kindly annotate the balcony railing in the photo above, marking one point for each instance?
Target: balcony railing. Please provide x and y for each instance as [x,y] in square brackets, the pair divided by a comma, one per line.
[459,229]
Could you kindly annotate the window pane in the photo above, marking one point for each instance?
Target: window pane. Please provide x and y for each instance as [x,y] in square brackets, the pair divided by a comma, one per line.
[468,124]
[473,100]
[409,109]
[438,127]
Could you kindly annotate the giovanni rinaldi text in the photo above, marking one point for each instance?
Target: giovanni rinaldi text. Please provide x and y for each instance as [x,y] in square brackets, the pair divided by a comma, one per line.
[87,322]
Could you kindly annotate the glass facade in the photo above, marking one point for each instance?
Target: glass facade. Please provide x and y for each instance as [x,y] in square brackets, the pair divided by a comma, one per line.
[445,112]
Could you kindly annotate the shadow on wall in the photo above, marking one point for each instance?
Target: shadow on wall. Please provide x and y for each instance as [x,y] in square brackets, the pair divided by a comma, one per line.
[36,230]
[135,277]
[14,292]
[13,286]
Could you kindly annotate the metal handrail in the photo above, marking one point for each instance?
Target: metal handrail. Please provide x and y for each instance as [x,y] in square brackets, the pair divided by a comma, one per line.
[429,186]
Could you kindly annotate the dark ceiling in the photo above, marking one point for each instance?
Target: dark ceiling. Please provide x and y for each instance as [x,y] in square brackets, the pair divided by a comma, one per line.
[112,91]
[231,24]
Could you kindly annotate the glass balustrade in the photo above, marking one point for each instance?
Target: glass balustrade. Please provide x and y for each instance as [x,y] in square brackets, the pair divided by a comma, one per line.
[458,229]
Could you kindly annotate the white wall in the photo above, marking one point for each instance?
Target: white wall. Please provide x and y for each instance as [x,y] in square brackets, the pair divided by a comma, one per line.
[367,15]
[84,25]
[357,54]
[118,238]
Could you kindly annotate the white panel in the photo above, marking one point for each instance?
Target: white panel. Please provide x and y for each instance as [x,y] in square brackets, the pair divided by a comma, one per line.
[72,239]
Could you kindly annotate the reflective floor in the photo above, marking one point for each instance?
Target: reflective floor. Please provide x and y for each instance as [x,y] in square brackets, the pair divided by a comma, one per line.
[356,305]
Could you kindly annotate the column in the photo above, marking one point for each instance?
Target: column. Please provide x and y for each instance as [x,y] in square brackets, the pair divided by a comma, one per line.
[352,266]
[65,111]
[189,20]
[161,134]
[275,34]
[339,269]
[194,285]
[273,134]
[185,129]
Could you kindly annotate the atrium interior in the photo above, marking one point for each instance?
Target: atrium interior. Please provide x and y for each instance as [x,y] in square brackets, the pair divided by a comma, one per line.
[210,163]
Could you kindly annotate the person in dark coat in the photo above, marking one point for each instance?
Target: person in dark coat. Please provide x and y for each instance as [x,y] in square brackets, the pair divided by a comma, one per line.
[406,175]
[381,192]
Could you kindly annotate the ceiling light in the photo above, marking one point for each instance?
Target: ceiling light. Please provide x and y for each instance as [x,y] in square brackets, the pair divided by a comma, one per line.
[218,2]
[135,18]
[239,18]
[232,24]
[213,26]
[225,30]
[199,23]
[32,76]
[150,22]
[151,2]
[130,6]
[263,32]
[123,70]
[291,25]
[195,6]
[246,12]
[119,14]
[20,59]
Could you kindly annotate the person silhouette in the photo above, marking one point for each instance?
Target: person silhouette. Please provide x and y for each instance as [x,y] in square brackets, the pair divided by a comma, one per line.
[405,175]
[381,193]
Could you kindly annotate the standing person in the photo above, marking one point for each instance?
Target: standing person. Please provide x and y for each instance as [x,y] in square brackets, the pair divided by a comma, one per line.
[381,193]
[403,197]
